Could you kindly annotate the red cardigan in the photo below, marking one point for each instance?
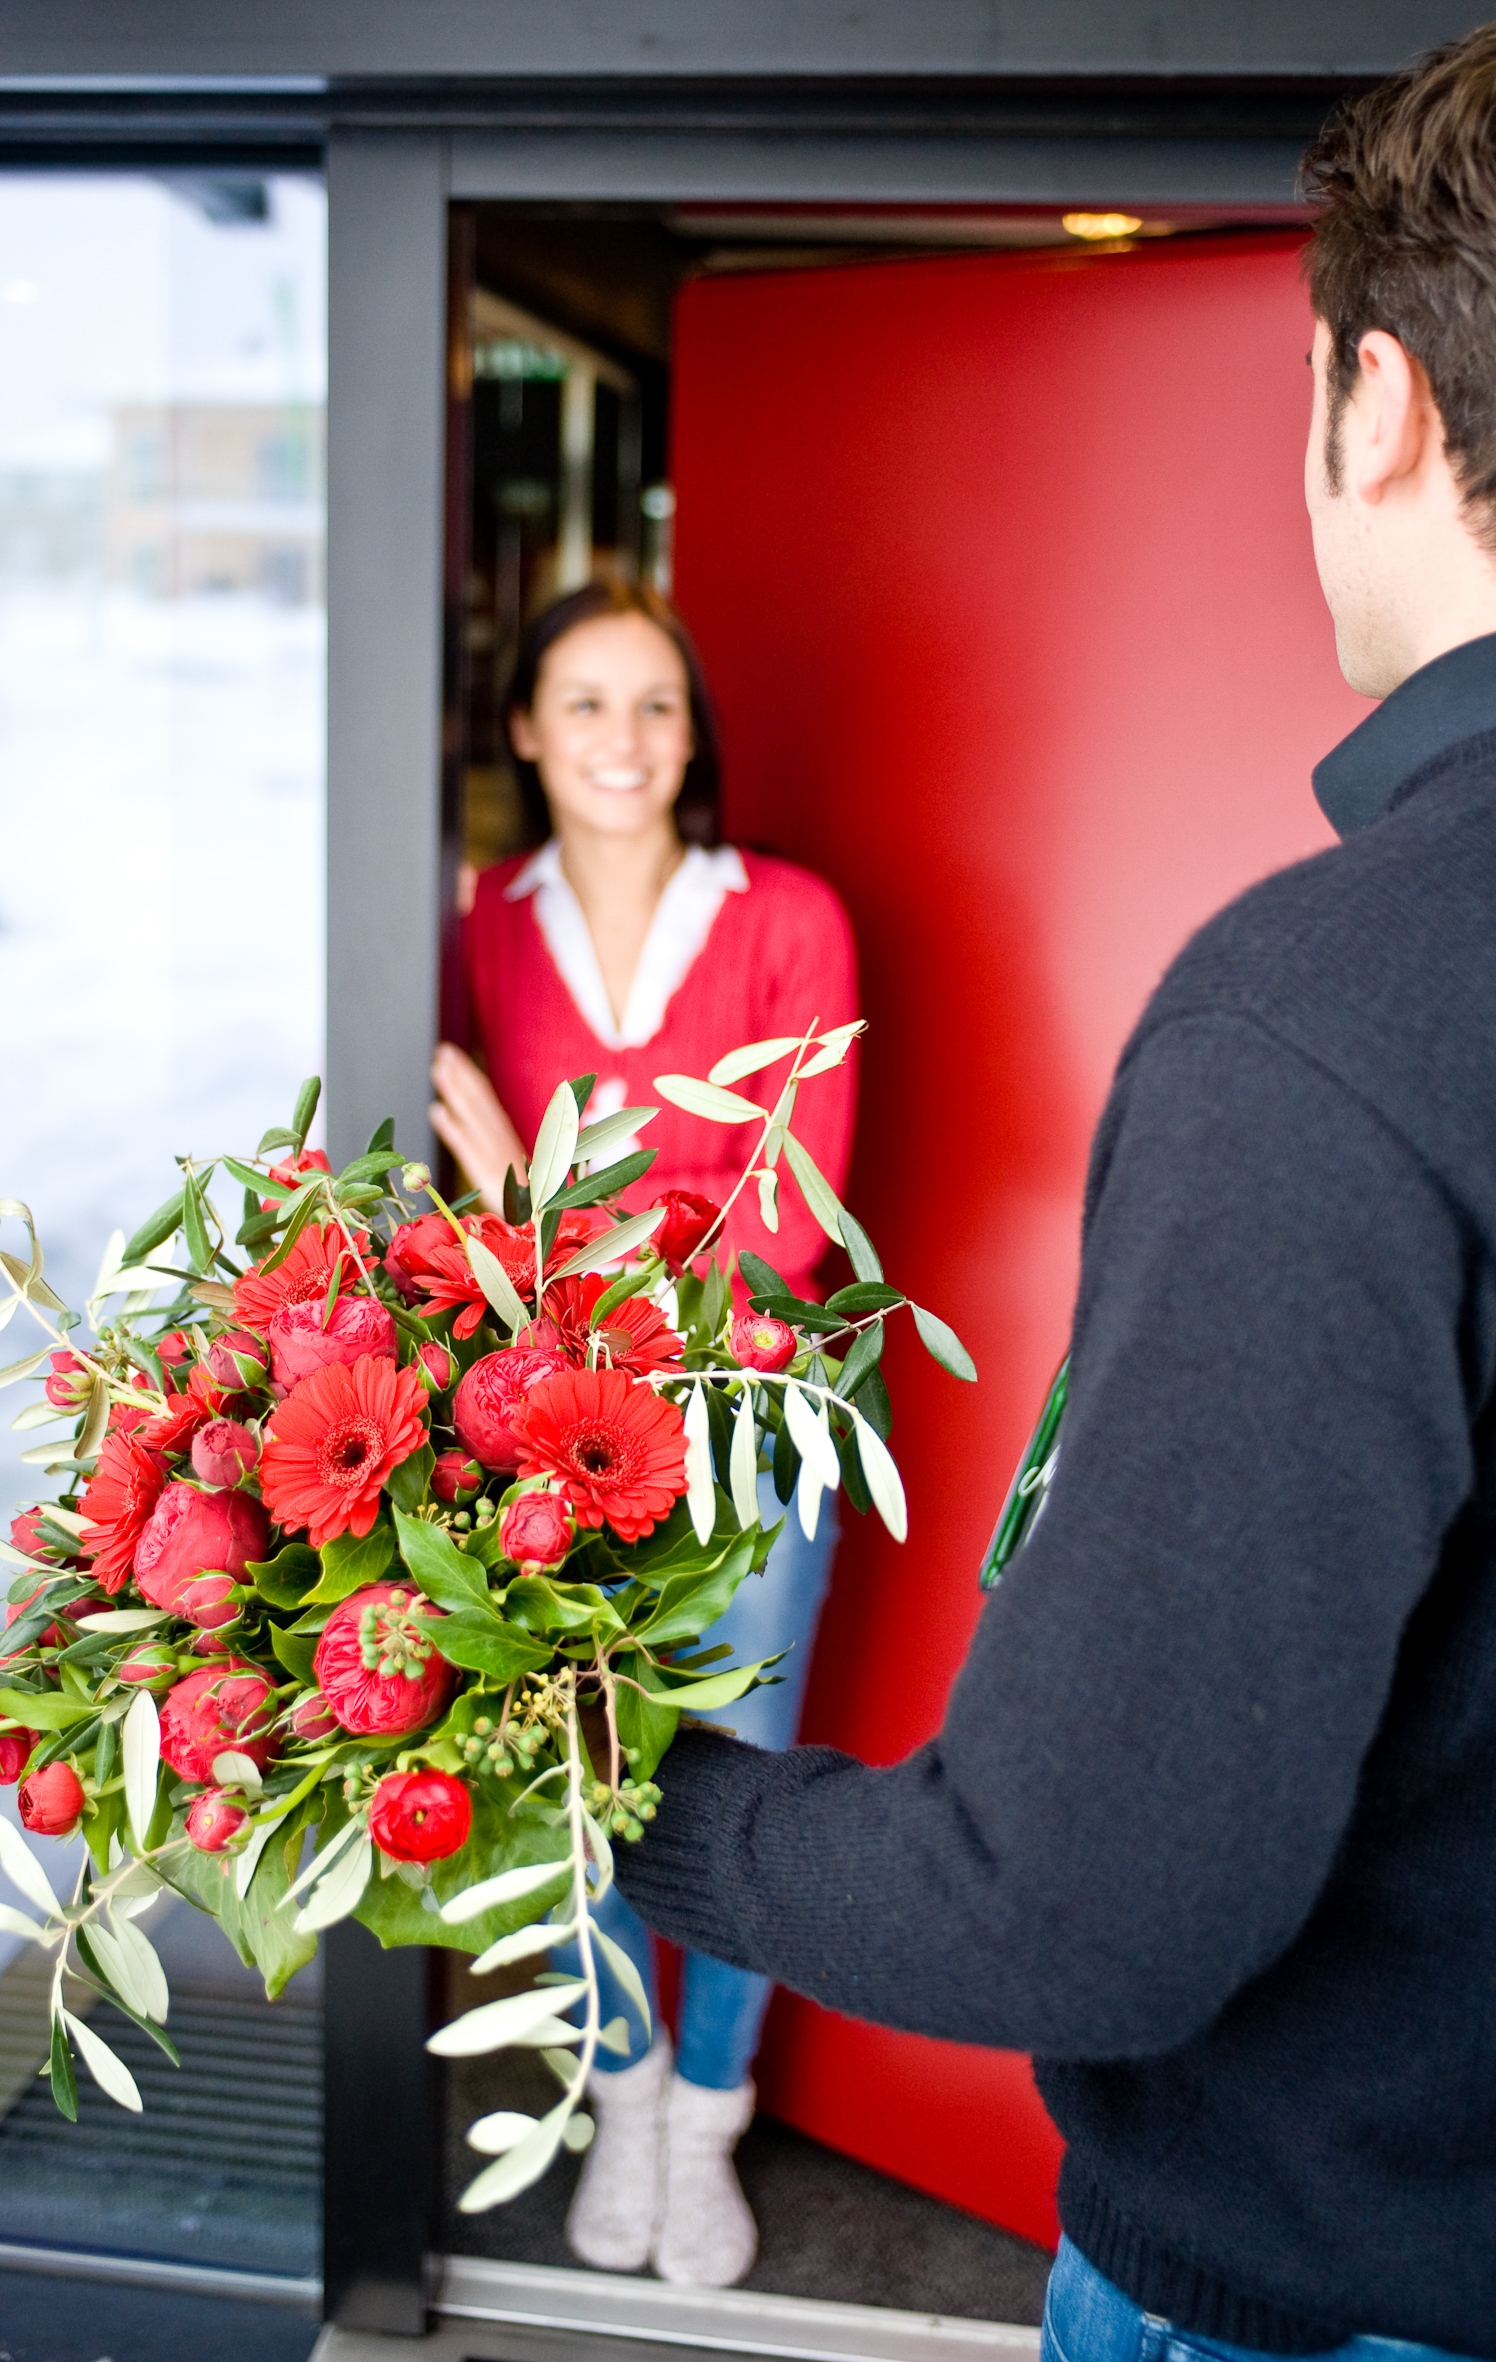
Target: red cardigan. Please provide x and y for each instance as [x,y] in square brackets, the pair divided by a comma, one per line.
[777,958]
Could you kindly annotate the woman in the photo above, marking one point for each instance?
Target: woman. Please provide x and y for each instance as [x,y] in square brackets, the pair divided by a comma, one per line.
[634,943]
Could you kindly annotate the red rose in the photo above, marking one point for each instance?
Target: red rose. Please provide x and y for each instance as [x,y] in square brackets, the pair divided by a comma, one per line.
[290,1170]
[375,1665]
[437,1368]
[236,1359]
[51,1801]
[456,1477]
[227,1705]
[15,1753]
[758,1343]
[211,1602]
[420,1816]
[214,1820]
[153,1666]
[223,1452]
[538,1530]
[687,1220]
[117,1503]
[70,1384]
[313,1717]
[302,1339]
[491,1398]
[192,1533]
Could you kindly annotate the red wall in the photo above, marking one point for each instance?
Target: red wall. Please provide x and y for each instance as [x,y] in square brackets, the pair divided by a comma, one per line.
[1000,569]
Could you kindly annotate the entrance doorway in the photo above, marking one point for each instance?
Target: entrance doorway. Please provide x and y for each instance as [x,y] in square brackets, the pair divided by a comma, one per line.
[988,525]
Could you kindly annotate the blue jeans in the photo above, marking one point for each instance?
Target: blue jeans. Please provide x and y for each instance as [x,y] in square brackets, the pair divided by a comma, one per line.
[1086,2319]
[721,2008]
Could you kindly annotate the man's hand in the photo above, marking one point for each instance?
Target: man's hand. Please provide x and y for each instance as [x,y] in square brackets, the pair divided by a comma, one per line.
[467,1116]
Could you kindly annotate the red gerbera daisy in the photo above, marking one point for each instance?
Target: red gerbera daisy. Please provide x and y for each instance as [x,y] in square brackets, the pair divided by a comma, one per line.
[635,1336]
[200,1402]
[333,1442]
[618,1450]
[439,1268]
[117,1505]
[303,1278]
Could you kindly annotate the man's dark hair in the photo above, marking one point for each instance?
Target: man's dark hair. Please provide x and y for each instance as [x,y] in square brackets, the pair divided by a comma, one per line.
[1404,185]
[698,813]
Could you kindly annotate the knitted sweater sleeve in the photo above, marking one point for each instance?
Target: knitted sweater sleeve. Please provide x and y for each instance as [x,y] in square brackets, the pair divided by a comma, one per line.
[1152,1752]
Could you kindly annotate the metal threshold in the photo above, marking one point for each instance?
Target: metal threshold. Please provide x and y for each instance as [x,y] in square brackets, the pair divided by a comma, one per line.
[148,2271]
[715,2320]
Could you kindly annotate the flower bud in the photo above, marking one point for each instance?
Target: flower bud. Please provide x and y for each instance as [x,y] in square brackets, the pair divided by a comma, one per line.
[313,1718]
[538,1531]
[437,1368]
[215,1819]
[238,1359]
[688,1218]
[757,1342]
[51,1801]
[70,1384]
[15,1754]
[416,1177]
[455,1477]
[152,1666]
[211,1602]
[420,1816]
[223,1452]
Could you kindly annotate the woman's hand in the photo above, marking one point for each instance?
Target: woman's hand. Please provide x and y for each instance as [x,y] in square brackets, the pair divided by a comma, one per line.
[467,1117]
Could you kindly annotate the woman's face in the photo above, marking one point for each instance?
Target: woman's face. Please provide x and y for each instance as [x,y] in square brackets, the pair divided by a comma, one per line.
[610,727]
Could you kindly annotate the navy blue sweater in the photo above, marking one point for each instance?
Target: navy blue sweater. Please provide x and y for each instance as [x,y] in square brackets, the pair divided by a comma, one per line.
[1210,1826]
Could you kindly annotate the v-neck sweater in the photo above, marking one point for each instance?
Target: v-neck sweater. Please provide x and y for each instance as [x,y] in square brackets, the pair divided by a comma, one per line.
[1210,1826]
[778,958]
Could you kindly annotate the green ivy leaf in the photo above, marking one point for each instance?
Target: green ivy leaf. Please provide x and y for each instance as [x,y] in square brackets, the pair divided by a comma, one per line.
[286,1579]
[349,1561]
[294,1650]
[481,1641]
[406,1485]
[445,1573]
[690,1604]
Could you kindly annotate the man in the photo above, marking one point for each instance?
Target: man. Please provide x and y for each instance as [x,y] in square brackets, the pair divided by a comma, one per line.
[1211,1824]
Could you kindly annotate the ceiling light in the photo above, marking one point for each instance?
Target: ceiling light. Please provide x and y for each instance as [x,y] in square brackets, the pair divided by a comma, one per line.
[1101,225]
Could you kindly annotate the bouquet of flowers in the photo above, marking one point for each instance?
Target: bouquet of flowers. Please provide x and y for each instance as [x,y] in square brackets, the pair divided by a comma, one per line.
[384,1555]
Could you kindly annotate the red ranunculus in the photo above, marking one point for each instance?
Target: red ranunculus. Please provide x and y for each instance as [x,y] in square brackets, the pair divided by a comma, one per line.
[51,1801]
[538,1530]
[302,1338]
[333,1442]
[227,1705]
[70,1384]
[635,1336]
[223,1453]
[312,1717]
[215,1819]
[192,1534]
[289,1171]
[437,1368]
[152,1666]
[15,1753]
[758,1343]
[487,1404]
[618,1452]
[320,1255]
[117,1505]
[375,1664]
[238,1359]
[688,1218]
[212,1602]
[420,1816]
[456,1477]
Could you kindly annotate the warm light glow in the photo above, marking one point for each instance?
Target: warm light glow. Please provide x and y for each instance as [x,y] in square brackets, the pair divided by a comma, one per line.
[1102,225]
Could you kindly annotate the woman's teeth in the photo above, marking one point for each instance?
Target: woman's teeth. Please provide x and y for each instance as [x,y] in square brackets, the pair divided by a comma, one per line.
[621,782]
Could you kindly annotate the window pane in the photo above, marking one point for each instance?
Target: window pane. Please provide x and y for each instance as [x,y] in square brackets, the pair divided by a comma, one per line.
[162,373]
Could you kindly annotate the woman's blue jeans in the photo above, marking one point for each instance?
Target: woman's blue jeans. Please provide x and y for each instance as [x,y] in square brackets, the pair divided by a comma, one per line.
[721,2008]
[1086,2319]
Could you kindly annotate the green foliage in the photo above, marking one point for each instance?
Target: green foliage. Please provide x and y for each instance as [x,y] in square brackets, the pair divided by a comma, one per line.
[349,1561]
[264,1935]
[407,1483]
[294,1650]
[446,1574]
[943,1344]
[484,1643]
[396,1913]
[162,1225]
[594,1187]
[287,1579]
[306,1107]
[861,1252]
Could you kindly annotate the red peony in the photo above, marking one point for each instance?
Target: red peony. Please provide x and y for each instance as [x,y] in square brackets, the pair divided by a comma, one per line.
[15,1752]
[333,1442]
[487,1405]
[455,1477]
[313,1718]
[214,1820]
[687,1220]
[191,1534]
[617,1450]
[635,1336]
[153,1666]
[70,1384]
[51,1801]
[289,1171]
[306,1276]
[377,1668]
[227,1705]
[758,1343]
[117,1504]
[237,1359]
[303,1338]
[223,1452]
[420,1816]
[538,1531]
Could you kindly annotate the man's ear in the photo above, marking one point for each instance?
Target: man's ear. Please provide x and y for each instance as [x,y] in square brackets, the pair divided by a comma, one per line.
[1391,422]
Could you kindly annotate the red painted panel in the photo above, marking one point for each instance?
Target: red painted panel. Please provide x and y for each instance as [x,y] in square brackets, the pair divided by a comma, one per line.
[1002,576]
